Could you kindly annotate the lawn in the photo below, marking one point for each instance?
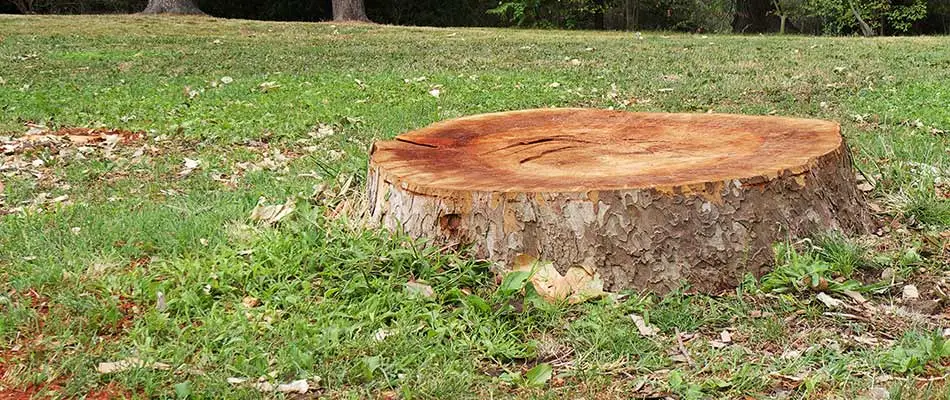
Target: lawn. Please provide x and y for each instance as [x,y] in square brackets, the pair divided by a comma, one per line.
[140,248]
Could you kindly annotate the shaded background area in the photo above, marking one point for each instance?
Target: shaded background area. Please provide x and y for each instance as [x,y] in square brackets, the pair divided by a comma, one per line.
[817,17]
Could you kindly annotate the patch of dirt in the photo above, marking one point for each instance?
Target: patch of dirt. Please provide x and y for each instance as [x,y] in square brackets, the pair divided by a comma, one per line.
[932,290]
[13,394]
[31,392]
[109,392]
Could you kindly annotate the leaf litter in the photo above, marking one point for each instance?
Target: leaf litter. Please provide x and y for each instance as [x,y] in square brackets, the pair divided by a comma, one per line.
[578,284]
[272,214]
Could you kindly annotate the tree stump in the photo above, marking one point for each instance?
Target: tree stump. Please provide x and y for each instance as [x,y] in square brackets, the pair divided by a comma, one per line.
[650,200]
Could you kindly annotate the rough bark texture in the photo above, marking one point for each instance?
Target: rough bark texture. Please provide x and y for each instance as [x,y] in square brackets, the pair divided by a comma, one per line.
[650,200]
[349,10]
[171,7]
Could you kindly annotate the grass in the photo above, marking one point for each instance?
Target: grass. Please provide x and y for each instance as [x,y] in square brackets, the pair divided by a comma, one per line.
[140,261]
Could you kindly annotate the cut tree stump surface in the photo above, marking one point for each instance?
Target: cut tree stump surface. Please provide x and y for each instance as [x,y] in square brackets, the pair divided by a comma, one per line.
[648,199]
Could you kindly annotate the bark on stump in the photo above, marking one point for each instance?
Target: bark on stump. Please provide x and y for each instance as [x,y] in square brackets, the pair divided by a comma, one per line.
[649,200]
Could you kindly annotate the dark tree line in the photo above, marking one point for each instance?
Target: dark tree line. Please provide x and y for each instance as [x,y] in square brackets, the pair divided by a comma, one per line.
[834,17]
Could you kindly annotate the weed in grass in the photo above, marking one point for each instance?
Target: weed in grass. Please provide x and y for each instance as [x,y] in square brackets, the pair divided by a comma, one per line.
[920,204]
[918,353]
[802,271]
[844,255]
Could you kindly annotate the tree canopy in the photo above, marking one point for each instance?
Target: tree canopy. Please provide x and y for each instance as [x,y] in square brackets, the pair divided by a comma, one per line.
[819,17]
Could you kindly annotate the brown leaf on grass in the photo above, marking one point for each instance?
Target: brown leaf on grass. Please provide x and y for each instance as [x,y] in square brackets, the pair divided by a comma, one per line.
[855,296]
[643,327]
[725,339]
[828,301]
[910,292]
[272,214]
[127,364]
[250,302]
[83,135]
[188,167]
[544,277]
[301,386]
[268,86]
[420,289]
[577,285]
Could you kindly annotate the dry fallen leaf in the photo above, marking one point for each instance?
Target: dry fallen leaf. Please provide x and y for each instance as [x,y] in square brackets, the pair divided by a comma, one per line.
[188,167]
[127,364]
[828,301]
[578,284]
[857,297]
[421,289]
[725,339]
[544,277]
[584,282]
[160,303]
[643,327]
[268,86]
[910,292]
[250,302]
[299,386]
[272,214]
[725,336]
[382,334]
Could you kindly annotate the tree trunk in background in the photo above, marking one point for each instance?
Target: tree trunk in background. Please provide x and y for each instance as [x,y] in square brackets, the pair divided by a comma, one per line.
[865,28]
[24,6]
[349,10]
[172,7]
[631,10]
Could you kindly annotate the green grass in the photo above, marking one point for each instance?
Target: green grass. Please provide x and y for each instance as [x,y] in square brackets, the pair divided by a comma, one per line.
[80,279]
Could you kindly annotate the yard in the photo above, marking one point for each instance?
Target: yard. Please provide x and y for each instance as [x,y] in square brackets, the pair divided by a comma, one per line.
[130,265]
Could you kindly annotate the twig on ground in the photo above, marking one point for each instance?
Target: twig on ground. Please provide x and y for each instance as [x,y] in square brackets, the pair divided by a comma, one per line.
[682,347]
[846,315]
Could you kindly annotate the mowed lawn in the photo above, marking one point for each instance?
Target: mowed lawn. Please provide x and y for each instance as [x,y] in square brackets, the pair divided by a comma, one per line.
[140,248]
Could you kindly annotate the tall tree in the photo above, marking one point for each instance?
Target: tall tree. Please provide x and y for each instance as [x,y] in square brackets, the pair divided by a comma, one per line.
[349,10]
[865,28]
[24,6]
[631,14]
[172,7]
